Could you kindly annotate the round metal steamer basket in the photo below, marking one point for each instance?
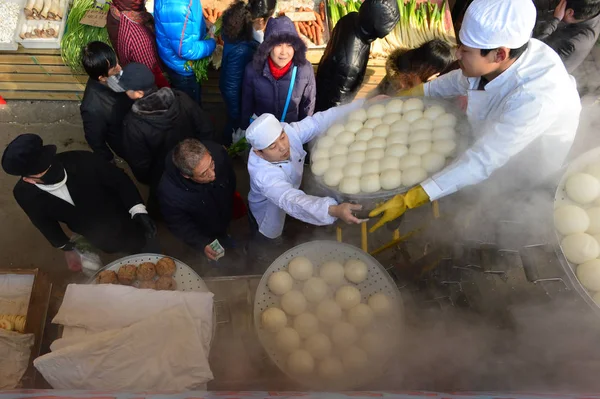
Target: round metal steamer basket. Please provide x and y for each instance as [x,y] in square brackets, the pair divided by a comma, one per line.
[319,252]
[463,130]
[580,164]
[185,277]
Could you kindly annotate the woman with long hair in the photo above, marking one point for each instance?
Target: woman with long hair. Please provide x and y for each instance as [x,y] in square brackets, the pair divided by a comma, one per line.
[406,69]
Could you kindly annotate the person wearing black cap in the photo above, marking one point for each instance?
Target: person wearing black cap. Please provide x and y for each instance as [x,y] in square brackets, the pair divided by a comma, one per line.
[158,120]
[78,188]
[102,108]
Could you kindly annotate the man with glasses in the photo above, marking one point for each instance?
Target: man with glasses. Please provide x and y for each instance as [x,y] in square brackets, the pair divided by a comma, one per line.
[196,194]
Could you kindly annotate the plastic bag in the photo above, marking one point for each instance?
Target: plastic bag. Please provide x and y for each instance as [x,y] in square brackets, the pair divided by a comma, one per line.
[238,135]
[89,261]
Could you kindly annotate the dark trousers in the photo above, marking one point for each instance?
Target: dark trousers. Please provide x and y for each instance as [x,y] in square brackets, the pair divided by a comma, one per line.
[186,84]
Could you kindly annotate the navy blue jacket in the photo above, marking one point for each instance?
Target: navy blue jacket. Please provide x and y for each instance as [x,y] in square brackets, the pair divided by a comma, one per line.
[236,55]
[198,213]
[263,94]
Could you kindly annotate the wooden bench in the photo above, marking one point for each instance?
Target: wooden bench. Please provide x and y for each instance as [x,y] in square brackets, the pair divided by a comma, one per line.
[29,74]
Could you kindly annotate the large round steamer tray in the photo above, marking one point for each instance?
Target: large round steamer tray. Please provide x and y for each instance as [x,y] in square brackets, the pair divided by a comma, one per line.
[378,280]
[580,164]
[185,277]
[463,130]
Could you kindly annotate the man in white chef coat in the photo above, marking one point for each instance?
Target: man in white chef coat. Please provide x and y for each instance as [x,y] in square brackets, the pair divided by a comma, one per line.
[276,164]
[522,105]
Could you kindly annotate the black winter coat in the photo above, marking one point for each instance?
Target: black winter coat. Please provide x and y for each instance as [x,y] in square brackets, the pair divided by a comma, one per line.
[342,68]
[155,124]
[102,111]
[102,194]
[198,213]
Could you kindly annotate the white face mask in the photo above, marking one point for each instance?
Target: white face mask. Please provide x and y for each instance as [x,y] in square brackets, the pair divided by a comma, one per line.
[113,82]
[258,35]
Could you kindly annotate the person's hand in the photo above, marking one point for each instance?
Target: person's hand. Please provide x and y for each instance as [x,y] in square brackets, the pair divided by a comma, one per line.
[344,212]
[147,224]
[210,253]
[73,261]
[391,210]
[375,99]
[561,8]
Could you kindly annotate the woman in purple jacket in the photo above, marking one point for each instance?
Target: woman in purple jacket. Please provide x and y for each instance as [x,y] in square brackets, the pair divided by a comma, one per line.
[279,63]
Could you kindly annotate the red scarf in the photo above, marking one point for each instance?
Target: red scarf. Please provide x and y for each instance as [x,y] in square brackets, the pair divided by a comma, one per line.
[277,72]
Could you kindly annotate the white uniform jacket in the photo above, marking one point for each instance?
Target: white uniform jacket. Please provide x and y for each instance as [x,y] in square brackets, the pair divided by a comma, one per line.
[274,187]
[524,122]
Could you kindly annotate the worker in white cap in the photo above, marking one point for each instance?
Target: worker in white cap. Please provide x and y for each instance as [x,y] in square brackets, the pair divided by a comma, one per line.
[522,105]
[276,164]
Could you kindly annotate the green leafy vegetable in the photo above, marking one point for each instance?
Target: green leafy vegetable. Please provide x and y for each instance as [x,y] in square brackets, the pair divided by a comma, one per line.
[200,67]
[78,35]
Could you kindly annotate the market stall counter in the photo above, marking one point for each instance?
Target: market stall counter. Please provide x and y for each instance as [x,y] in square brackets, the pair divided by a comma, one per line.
[216,333]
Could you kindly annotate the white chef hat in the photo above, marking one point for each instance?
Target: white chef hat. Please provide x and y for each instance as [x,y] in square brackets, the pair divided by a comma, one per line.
[263,131]
[489,24]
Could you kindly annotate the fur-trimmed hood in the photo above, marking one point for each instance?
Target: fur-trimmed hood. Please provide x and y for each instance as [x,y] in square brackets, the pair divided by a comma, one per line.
[280,30]
[160,108]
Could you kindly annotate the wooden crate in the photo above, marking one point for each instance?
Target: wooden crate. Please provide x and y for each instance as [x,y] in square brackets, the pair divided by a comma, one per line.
[35,321]
[29,74]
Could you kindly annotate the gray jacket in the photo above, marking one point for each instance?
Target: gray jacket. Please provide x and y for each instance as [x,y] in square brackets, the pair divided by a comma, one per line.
[572,42]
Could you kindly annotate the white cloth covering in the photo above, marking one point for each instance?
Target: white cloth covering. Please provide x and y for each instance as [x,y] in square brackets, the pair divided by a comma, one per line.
[162,352]
[104,316]
[489,24]
[100,307]
[524,123]
[275,187]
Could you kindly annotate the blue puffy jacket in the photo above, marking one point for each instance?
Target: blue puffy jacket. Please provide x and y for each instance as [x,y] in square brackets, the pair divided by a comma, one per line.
[236,55]
[180,33]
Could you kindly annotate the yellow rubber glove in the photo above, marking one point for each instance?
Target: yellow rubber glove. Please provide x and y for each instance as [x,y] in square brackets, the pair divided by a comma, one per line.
[396,207]
[415,197]
[392,209]
[417,91]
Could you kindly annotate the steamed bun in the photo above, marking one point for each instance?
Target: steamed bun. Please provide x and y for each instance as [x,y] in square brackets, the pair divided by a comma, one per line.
[300,268]
[571,219]
[318,345]
[588,274]
[306,324]
[356,271]
[332,272]
[352,169]
[331,368]
[293,303]
[315,289]
[300,362]
[280,282]
[329,312]
[347,297]
[582,188]
[580,247]
[273,319]
[287,340]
